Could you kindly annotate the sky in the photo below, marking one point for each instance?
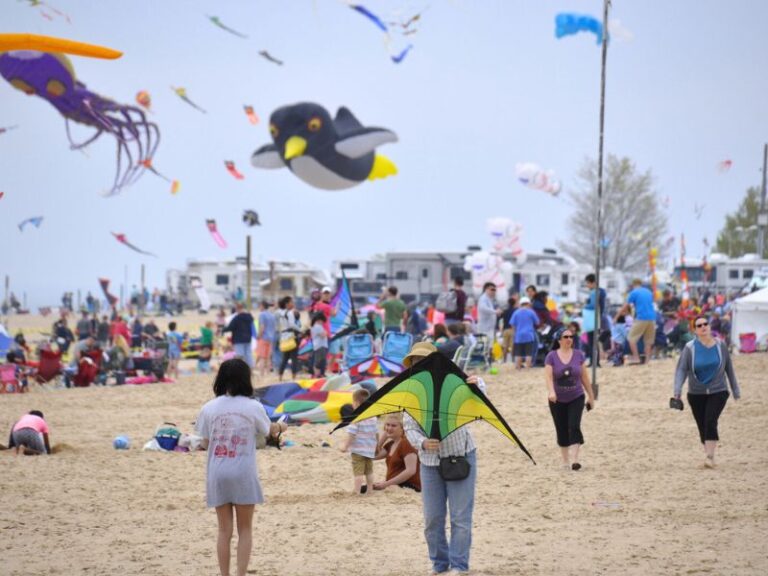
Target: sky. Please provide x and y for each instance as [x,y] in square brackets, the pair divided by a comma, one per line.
[486,85]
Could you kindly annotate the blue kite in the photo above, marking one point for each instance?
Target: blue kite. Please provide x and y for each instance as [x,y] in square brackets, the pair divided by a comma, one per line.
[35,221]
[568,23]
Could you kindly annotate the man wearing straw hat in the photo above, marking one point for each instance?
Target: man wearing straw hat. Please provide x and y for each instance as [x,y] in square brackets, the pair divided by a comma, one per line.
[438,495]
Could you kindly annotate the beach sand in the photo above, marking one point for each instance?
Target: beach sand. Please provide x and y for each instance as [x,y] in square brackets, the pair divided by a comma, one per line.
[90,509]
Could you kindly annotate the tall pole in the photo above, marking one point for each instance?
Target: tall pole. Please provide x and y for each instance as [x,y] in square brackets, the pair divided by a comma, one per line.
[248,270]
[599,215]
[762,216]
[142,304]
[7,287]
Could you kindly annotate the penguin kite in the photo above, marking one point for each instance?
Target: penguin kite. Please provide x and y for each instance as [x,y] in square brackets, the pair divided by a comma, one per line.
[327,153]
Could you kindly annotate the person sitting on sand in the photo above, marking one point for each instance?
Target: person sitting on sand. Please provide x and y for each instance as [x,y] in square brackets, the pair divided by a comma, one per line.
[402,459]
[228,425]
[30,435]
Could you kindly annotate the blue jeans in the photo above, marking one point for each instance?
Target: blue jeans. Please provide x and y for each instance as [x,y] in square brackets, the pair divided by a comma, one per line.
[459,496]
[244,351]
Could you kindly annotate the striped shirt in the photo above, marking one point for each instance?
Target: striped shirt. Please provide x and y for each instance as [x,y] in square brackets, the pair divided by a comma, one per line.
[457,443]
[364,440]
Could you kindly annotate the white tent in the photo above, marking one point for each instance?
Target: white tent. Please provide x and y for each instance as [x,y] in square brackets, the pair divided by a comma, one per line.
[750,314]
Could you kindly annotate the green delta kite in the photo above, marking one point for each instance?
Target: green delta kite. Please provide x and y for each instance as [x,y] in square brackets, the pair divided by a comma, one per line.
[434,392]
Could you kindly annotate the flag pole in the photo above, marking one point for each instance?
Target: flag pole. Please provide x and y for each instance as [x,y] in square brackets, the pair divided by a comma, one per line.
[599,219]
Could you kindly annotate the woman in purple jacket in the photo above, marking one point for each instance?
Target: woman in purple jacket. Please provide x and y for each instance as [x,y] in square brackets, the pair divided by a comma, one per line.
[567,381]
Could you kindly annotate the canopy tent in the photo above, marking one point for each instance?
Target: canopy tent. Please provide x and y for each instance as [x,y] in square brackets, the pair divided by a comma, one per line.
[750,315]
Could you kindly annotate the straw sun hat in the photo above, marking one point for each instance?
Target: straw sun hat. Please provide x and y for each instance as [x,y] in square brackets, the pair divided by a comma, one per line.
[420,350]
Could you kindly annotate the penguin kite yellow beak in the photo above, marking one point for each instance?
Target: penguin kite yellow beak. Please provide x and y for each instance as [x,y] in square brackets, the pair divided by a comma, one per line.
[51,44]
[295,146]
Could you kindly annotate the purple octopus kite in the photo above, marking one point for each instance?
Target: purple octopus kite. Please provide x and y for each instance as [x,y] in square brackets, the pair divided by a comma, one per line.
[51,76]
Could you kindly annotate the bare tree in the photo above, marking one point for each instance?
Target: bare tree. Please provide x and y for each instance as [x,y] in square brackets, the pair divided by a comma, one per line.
[632,219]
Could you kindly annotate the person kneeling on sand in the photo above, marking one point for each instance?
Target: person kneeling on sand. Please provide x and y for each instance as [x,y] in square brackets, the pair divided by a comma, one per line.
[30,435]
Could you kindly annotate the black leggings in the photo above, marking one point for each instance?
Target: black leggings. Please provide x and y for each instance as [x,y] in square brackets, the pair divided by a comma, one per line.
[293,356]
[567,418]
[706,410]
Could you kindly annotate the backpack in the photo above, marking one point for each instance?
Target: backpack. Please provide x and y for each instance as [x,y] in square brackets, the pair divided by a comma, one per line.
[447,302]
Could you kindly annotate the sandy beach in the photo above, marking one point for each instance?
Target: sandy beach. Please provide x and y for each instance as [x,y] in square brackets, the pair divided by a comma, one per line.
[643,503]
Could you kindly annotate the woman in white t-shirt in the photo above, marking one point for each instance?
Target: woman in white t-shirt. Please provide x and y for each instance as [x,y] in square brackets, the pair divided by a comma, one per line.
[229,425]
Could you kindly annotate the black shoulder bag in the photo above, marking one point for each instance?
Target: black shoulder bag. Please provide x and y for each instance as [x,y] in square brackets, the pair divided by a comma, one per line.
[454,468]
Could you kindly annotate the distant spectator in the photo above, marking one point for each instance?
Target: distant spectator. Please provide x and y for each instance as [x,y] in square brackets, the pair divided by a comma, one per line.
[524,321]
[461,302]
[487,312]
[395,310]
[241,327]
[644,326]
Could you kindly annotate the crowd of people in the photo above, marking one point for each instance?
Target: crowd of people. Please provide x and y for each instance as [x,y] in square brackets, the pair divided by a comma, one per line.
[414,460]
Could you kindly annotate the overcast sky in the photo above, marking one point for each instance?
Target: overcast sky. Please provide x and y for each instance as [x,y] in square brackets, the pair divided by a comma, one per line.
[486,85]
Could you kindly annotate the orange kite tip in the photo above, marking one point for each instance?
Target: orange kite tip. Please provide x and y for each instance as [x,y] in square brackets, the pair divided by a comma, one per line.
[175,186]
[52,44]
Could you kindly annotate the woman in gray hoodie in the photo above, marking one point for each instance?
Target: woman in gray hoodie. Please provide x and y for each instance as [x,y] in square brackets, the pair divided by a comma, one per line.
[705,363]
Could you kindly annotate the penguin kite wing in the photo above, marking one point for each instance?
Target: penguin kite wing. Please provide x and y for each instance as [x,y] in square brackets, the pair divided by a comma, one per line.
[267,157]
[434,392]
[364,141]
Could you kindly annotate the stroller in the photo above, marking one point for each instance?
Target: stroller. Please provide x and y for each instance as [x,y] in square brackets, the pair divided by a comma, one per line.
[396,345]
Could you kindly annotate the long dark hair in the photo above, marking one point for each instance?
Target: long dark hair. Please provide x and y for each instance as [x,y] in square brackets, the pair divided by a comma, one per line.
[234,379]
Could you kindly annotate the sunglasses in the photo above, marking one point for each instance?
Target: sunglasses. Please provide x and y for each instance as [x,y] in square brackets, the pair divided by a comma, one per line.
[702,324]
[566,337]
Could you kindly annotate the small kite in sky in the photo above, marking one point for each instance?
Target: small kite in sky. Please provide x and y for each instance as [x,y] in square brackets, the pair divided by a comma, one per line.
[1,195]
[232,169]
[268,56]
[35,221]
[568,23]
[408,22]
[371,16]
[215,233]
[725,165]
[253,118]
[397,57]
[147,163]
[434,392]
[8,129]
[533,176]
[143,99]
[182,93]
[123,240]
[220,24]
[666,201]
[698,210]
[251,218]
[43,6]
